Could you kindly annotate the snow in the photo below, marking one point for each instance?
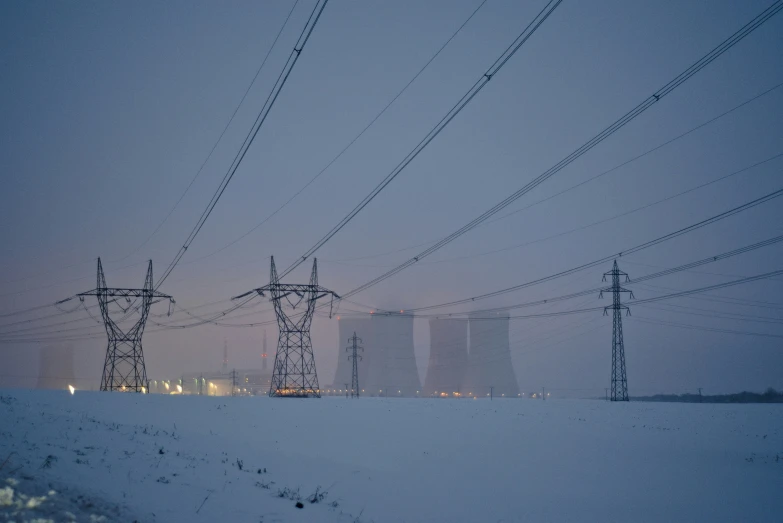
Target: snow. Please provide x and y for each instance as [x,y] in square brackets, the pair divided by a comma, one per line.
[176,458]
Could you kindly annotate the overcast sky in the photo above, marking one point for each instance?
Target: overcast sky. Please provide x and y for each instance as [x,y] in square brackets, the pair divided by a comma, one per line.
[108,109]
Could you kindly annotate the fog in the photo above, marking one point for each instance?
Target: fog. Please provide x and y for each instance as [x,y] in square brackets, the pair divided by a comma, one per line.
[110,109]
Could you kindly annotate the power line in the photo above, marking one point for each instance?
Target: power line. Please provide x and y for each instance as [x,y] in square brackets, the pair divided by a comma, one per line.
[435,131]
[230,120]
[713,298]
[592,178]
[666,272]
[707,329]
[601,136]
[260,119]
[714,314]
[603,220]
[350,144]
[604,259]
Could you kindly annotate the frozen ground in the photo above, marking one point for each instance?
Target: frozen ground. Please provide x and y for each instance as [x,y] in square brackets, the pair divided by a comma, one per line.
[176,459]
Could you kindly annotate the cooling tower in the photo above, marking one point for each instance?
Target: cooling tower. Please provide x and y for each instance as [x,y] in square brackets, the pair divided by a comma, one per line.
[392,365]
[55,367]
[448,357]
[489,360]
[362,328]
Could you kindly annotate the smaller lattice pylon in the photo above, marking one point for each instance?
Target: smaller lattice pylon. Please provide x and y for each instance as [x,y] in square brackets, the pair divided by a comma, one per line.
[354,347]
[619,385]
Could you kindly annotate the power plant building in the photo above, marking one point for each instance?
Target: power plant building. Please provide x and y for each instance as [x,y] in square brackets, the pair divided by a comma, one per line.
[489,360]
[388,364]
[448,358]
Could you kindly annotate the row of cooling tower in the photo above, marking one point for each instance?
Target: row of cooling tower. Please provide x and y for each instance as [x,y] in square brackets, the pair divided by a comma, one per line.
[467,357]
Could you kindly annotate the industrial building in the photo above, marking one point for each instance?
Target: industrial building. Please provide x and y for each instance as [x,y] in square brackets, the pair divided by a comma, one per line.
[248,382]
[448,358]
[489,368]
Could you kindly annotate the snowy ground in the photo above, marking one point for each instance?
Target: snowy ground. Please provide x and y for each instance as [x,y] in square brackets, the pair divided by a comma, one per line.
[176,458]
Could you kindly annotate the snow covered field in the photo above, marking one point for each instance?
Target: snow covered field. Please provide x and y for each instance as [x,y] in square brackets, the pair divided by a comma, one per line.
[177,459]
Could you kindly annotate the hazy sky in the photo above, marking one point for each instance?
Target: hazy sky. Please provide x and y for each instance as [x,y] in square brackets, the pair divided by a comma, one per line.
[108,109]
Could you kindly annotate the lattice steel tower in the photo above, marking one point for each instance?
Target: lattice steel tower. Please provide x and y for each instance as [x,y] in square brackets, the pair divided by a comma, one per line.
[354,357]
[294,374]
[619,380]
[124,367]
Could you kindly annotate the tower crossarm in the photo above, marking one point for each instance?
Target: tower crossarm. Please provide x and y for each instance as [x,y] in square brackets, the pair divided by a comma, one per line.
[125,293]
[615,289]
[289,288]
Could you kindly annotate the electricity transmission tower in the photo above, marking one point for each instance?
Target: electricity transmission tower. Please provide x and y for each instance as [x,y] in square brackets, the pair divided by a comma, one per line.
[619,389]
[294,374]
[234,388]
[124,367]
[354,341]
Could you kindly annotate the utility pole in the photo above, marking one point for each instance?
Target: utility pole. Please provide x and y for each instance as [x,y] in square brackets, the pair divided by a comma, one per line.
[124,368]
[699,394]
[201,385]
[619,379]
[491,393]
[294,374]
[354,357]
[543,393]
[234,382]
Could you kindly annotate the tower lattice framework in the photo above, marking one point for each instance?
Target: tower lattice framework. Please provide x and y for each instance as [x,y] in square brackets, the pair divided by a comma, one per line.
[619,388]
[354,357]
[124,368]
[294,373]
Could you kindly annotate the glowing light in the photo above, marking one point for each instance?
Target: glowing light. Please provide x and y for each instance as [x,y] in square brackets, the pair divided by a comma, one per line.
[166,385]
[143,390]
[179,389]
[401,311]
[72,389]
